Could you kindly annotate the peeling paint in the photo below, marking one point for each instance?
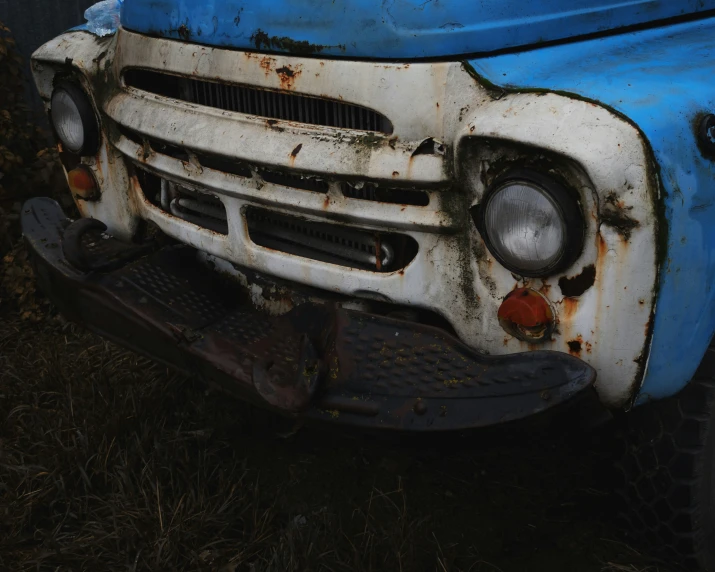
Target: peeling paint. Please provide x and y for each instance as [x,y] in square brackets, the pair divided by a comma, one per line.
[577,285]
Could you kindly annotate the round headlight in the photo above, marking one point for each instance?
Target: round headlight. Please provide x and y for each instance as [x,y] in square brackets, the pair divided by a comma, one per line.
[532,224]
[74,120]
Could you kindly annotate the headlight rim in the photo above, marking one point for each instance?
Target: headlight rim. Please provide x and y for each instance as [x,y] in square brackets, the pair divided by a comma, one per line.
[88,116]
[566,202]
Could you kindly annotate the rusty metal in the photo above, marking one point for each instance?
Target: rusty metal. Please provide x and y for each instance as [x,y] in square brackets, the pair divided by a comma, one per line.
[319,360]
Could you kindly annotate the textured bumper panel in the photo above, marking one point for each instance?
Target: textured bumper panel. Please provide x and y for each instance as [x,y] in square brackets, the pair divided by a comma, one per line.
[317,361]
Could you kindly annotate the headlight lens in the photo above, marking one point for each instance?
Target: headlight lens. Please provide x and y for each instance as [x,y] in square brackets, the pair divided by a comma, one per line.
[74,120]
[532,225]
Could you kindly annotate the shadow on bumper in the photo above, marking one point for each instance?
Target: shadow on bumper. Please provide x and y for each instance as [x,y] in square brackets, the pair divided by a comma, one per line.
[318,361]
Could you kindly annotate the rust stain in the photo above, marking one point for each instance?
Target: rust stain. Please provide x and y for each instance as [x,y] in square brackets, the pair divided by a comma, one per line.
[602,249]
[267,64]
[294,153]
[588,347]
[273,124]
[569,307]
[575,346]
[326,202]
[288,75]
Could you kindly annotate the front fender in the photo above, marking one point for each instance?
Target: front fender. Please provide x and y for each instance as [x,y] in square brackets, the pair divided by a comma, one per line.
[661,80]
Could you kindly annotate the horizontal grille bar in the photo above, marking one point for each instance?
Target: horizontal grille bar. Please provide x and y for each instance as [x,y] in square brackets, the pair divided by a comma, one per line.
[260,102]
[360,190]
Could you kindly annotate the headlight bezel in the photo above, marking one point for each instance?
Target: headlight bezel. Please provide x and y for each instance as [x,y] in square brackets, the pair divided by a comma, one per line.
[563,199]
[88,117]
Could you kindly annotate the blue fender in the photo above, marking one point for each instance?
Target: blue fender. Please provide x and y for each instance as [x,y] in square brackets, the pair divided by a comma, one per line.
[661,79]
[391,28]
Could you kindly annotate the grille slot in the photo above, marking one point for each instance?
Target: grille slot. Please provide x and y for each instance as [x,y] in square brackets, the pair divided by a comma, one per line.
[225,165]
[373,192]
[329,242]
[201,209]
[260,102]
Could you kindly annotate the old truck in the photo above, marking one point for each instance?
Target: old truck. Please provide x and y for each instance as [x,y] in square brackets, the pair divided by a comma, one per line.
[404,214]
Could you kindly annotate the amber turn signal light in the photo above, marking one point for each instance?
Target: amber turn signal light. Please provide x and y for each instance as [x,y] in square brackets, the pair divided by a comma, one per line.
[526,314]
[82,183]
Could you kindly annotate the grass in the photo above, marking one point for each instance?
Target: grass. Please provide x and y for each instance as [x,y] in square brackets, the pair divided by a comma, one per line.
[110,462]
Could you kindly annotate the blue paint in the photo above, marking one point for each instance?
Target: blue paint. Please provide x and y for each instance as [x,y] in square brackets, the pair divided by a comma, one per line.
[660,79]
[401,29]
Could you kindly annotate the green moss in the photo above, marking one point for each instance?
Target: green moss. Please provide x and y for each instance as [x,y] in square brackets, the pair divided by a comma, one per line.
[263,41]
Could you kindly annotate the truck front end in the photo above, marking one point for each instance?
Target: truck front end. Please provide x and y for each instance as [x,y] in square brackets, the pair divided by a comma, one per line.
[396,242]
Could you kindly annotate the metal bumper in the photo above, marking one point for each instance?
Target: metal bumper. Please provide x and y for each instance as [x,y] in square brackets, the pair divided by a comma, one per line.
[318,361]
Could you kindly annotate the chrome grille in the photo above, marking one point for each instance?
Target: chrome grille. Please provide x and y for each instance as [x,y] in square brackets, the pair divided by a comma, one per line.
[260,102]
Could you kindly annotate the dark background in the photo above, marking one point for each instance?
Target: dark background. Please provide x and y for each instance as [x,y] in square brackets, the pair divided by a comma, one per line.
[33,22]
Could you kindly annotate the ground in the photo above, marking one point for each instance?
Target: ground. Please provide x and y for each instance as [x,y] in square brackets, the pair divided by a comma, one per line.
[109,461]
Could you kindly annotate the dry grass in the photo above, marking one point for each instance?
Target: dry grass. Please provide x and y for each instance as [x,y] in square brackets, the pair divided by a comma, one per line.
[110,462]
